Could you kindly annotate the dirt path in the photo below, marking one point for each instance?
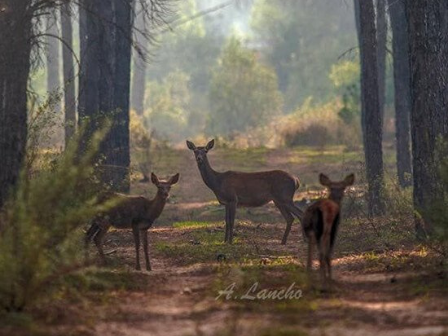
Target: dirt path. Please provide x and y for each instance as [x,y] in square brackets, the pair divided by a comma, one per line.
[180,300]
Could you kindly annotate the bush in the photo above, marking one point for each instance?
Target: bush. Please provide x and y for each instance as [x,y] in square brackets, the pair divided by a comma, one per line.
[41,226]
[318,126]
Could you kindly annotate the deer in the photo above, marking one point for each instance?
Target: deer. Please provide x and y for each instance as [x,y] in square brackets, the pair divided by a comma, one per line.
[132,212]
[320,223]
[239,189]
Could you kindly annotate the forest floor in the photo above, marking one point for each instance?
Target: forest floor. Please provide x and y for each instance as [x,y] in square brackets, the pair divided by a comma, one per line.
[384,282]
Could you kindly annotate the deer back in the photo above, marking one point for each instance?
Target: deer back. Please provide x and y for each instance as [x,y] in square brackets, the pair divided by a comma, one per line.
[129,209]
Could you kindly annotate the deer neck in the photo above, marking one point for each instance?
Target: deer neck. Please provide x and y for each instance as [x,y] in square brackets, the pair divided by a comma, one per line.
[209,175]
[157,205]
[337,200]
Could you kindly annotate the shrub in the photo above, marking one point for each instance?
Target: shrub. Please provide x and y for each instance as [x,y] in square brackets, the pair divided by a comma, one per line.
[41,226]
[318,126]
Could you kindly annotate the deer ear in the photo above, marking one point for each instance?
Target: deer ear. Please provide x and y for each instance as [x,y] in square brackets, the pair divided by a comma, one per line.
[174,179]
[210,144]
[191,145]
[324,180]
[349,180]
[154,179]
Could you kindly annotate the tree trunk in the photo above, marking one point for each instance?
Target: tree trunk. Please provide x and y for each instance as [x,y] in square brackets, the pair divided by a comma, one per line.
[52,55]
[381,28]
[68,71]
[428,45]
[89,76]
[402,86]
[15,47]
[371,112]
[104,83]
[119,151]
[139,67]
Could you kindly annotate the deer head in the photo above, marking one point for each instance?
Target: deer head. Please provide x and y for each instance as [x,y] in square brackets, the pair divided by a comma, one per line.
[200,153]
[336,188]
[164,187]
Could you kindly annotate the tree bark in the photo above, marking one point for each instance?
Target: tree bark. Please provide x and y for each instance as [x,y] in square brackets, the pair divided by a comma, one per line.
[428,45]
[68,71]
[119,150]
[371,111]
[381,28]
[15,48]
[402,86]
[140,65]
[104,84]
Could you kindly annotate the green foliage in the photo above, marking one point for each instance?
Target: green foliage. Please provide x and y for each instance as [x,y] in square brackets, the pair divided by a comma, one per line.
[168,107]
[318,125]
[345,77]
[243,91]
[302,39]
[41,228]
[141,144]
[189,49]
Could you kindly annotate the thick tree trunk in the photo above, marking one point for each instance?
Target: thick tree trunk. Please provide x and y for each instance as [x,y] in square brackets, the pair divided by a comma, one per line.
[68,71]
[105,29]
[140,65]
[428,45]
[373,121]
[89,76]
[118,144]
[402,85]
[381,28]
[15,46]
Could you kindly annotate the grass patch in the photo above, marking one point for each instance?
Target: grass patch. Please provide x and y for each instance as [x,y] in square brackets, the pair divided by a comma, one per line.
[191,224]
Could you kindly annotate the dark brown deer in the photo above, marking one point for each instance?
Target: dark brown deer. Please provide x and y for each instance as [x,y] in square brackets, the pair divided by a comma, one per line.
[237,189]
[320,223]
[132,212]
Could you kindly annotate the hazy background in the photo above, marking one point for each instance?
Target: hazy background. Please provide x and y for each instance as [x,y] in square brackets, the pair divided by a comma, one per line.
[253,73]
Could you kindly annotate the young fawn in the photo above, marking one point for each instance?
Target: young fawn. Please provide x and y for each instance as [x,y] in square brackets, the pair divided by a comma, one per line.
[132,212]
[320,223]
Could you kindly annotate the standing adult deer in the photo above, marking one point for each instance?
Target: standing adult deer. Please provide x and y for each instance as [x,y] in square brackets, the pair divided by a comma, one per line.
[132,212]
[320,223]
[233,189]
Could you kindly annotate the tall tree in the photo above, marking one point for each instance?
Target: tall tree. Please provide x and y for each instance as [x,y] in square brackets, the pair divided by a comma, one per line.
[371,112]
[118,141]
[428,45]
[402,86]
[15,48]
[52,54]
[68,70]
[105,28]
[381,30]
[139,63]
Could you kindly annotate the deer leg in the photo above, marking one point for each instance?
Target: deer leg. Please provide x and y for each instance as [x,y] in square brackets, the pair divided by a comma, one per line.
[294,210]
[322,263]
[226,238]
[311,243]
[328,264]
[145,248]
[136,233]
[289,220]
[98,239]
[232,212]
